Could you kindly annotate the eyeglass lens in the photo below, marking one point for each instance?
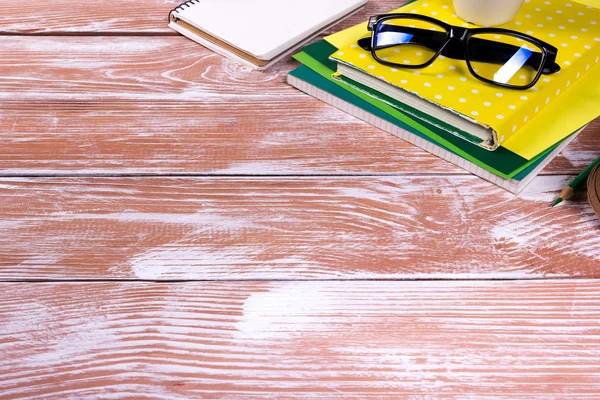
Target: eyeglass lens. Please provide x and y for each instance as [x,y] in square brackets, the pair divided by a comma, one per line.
[504,58]
[408,41]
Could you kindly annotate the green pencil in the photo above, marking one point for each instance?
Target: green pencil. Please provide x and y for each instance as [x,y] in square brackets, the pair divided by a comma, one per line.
[569,190]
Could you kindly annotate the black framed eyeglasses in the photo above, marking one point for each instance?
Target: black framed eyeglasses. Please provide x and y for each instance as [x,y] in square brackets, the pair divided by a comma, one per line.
[496,56]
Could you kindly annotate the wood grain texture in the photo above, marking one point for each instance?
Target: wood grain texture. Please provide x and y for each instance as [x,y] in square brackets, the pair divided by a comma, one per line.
[106,105]
[95,138]
[83,68]
[292,228]
[105,88]
[165,105]
[114,105]
[121,17]
[417,340]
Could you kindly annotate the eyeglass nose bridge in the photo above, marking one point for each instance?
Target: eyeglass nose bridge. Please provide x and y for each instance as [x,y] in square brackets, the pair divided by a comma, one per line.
[457,33]
[454,46]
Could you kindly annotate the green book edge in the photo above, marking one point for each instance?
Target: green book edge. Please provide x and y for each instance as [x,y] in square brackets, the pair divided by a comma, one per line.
[306,74]
[413,113]
[502,162]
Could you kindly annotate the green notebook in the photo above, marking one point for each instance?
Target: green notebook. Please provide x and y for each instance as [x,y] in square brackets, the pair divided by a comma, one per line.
[328,91]
[501,162]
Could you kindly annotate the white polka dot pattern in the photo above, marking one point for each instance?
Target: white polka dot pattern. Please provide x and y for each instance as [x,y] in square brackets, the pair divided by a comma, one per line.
[569,26]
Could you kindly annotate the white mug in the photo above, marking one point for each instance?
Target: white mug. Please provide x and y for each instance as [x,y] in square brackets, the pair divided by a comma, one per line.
[487,12]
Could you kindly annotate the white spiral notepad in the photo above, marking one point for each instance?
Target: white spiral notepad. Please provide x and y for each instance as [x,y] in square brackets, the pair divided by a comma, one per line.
[258,33]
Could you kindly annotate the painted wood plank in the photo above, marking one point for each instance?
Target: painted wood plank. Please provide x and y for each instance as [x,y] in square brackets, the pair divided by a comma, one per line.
[442,340]
[106,105]
[125,16]
[80,68]
[197,138]
[409,227]
[77,16]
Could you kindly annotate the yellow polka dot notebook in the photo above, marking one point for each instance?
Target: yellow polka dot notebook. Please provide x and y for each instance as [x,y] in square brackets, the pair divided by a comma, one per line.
[490,113]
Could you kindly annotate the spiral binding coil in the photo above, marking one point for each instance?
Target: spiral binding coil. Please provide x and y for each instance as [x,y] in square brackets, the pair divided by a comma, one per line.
[181,7]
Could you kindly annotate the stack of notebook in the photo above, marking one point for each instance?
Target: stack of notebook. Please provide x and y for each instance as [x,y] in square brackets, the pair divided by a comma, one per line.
[529,127]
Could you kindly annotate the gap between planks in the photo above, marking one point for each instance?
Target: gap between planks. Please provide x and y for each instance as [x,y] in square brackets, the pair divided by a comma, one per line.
[59,174]
[266,280]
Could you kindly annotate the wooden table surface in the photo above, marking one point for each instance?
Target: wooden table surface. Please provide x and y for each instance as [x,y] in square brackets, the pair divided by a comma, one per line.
[174,225]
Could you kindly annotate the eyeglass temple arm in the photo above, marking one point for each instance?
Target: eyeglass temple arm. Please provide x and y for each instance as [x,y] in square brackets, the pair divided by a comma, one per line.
[482,50]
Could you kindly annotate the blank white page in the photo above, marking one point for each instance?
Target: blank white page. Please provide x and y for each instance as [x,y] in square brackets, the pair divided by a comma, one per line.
[265,28]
